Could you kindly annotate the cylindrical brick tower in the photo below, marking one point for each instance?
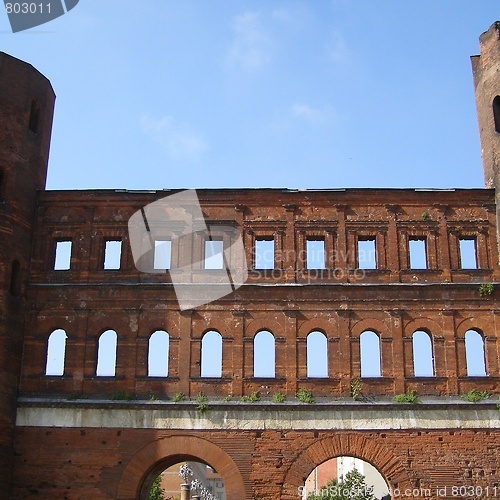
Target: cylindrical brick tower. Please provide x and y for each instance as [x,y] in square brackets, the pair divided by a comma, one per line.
[26,110]
[486,70]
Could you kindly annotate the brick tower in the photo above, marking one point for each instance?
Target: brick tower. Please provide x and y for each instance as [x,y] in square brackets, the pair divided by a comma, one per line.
[26,109]
[486,70]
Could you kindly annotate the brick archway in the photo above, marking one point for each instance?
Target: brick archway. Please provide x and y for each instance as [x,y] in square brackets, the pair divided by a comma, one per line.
[162,453]
[355,445]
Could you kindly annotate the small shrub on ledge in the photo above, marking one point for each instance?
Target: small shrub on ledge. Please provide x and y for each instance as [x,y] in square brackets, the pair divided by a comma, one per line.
[278,397]
[252,398]
[474,396]
[486,289]
[305,396]
[202,399]
[121,396]
[356,388]
[178,397]
[408,397]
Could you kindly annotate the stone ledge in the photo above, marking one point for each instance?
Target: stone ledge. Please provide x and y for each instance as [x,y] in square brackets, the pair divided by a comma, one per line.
[381,415]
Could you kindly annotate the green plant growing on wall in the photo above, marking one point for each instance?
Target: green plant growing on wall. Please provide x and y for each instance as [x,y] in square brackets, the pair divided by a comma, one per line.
[202,399]
[178,396]
[226,399]
[305,396]
[425,215]
[278,397]
[356,388]
[474,396]
[252,398]
[486,289]
[121,396]
[73,396]
[408,397]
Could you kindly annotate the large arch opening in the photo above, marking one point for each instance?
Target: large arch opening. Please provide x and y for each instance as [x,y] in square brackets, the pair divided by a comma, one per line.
[350,444]
[149,462]
[197,477]
[345,476]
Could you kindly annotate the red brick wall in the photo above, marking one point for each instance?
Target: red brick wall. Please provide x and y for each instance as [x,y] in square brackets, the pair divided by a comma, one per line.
[112,463]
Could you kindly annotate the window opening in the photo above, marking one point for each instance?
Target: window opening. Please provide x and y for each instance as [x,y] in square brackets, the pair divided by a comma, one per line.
[158,354]
[496,113]
[367,253]
[106,354]
[163,254]
[264,355]
[468,256]
[418,253]
[317,355]
[62,261]
[15,278]
[474,354]
[369,343]
[214,254]
[211,354]
[315,254]
[423,360]
[56,350]
[34,117]
[112,254]
[264,253]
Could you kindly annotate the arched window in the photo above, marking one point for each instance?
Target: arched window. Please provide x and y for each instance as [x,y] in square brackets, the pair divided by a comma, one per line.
[34,117]
[56,350]
[423,360]
[264,355]
[496,113]
[158,354]
[317,355]
[211,354]
[474,354]
[15,279]
[106,354]
[369,345]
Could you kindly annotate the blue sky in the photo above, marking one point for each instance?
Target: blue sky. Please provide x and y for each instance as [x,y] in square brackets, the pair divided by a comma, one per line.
[157,94]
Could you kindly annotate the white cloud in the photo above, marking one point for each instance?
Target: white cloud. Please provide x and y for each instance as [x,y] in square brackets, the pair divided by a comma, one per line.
[180,141]
[251,47]
[310,114]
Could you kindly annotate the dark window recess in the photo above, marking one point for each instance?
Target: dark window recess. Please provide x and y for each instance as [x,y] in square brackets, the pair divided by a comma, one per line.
[15,279]
[34,117]
[496,113]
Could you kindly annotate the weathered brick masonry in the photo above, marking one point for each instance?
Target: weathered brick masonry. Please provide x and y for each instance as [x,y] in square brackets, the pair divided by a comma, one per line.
[54,447]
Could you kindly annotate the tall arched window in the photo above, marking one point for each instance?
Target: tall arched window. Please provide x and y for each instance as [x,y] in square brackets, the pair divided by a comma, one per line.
[106,354]
[369,345]
[317,355]
[211,354]
[496,113]
[423,360]
[474,354]
[56,350]
[158,354]
[264,355]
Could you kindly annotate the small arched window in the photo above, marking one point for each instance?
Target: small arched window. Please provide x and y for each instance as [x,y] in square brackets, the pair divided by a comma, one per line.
[211,354]
[34,117]
[56,351]
[474,354]
[15,279]
[106,354]
[264,355]
[496,113]
[317,355]
[158,354]
[369,346]
[423,360]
